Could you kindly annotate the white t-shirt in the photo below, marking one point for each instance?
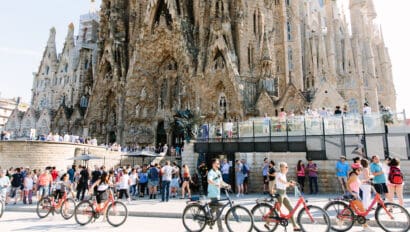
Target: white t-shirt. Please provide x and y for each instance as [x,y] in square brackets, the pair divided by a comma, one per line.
[134,177]
[124,182]
[279,178]
[4,183]
[167,173]
[28,183]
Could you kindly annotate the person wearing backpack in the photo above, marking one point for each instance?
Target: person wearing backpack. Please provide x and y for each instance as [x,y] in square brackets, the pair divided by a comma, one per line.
[395,181]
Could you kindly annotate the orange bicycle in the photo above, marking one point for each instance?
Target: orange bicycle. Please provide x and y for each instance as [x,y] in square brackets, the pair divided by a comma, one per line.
[48,205]
[390,217]
[115,211]
[268,216]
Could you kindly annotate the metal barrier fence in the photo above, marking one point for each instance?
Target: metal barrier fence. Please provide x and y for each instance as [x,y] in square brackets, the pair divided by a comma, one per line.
[320,137]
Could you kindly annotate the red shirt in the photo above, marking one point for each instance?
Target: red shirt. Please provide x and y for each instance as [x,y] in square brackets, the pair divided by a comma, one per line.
[54,174]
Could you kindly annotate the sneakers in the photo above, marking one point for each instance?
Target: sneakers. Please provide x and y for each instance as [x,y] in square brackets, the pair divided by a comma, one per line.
[238,195]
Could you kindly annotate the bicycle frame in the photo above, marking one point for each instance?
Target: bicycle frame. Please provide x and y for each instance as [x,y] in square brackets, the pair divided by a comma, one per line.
[377,199]
[110,200]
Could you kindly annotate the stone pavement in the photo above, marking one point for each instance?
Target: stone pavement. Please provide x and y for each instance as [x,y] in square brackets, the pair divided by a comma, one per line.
[174,208]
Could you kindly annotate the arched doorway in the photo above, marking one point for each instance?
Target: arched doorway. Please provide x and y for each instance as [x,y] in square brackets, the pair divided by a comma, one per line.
[161,134]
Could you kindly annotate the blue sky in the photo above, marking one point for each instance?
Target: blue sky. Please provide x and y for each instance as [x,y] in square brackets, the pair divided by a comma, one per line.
[25,26]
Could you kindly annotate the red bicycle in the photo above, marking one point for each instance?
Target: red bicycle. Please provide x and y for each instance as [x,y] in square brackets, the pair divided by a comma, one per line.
[268,216]
[115,211]
[390,217]
[48,205]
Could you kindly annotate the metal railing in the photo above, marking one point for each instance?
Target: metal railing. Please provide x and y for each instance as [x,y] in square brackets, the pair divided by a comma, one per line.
[323,137]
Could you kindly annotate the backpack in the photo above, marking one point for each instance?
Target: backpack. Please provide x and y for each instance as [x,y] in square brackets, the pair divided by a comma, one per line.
[245,169]
[395,175]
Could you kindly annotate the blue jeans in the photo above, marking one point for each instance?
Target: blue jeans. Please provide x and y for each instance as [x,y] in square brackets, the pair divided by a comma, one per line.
[313,181]
[43,191]
[165,190]
[133,190]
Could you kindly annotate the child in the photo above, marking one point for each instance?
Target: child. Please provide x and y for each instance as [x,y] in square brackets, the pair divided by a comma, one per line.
[174,185]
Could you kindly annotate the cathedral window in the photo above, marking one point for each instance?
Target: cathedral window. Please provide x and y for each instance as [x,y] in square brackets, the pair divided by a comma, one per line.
[288,2]
[289,29]
[290,59]
[66,68]
[86,64]
[47,70]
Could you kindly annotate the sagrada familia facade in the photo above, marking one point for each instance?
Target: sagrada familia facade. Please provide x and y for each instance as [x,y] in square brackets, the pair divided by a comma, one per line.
[136,63]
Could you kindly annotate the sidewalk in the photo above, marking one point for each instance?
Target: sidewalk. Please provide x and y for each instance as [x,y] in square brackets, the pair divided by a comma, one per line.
[174,208]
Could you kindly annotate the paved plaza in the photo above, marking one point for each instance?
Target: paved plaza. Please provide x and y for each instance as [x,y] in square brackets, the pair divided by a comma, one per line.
[144,215]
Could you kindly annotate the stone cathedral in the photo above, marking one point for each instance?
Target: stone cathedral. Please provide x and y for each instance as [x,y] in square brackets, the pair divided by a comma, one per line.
[221,59]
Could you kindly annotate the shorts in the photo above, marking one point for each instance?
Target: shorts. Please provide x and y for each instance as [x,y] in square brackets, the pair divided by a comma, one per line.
[272,185]
[381,188]
[101,196]
[246,180]
[153,183]
[265,179]
[186,178]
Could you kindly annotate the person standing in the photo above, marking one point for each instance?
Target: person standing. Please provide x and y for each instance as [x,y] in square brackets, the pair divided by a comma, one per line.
[225,170]
[28,188]
[186,179]
[4,184]
[134,182]
[239,178]
[124,185]
[215,183]
[300,172]
[365,188]
[143,177]
[265,169]
[166,180]
[246,171]
[341,172]
[281,185]
[271,176]
[312,168]
[203,172]
[379,179]
[396,181]
[153,181]
[82,183]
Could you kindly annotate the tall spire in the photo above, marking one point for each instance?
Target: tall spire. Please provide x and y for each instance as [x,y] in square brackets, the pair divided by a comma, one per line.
[93,7]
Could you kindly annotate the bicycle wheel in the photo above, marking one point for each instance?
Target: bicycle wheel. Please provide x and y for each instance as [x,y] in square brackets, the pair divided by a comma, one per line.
[194,218]
[395,218]
[67,208]
[83,213]
[44,207]
[340,215]
[238,218]
[263,214]
[117,213]
[1,208]
[313,219]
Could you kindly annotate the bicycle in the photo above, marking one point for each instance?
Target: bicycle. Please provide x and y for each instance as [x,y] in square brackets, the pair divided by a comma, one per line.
[391,217]
[267,215]
[197,215]
[115,211]
[48,205]
[2,205]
